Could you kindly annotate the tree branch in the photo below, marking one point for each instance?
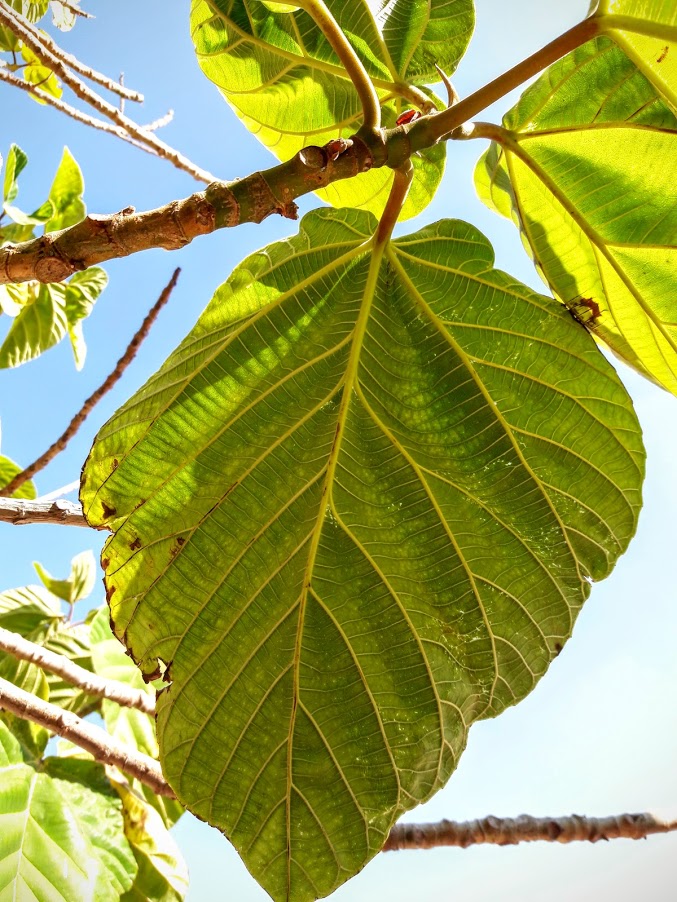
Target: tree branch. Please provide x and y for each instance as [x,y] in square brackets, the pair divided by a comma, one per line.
[20,512]
[71,111]
[89,682]
[32,39]
[54,257]
[77,66]
[58,446]
[57,255]
[511,831]
[92,739]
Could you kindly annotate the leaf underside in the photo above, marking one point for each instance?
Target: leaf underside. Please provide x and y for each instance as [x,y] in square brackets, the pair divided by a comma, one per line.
[586,167]
[284,81]
[357,509]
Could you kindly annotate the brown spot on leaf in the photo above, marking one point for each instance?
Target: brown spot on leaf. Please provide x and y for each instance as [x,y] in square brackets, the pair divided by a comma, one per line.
[114,465]
[181,540]
[135,544]
[557,648]
[664,53]
[105,561]
[110,591]
[108,512]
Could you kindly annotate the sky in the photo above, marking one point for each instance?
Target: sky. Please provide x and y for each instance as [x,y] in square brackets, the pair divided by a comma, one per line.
[598,735]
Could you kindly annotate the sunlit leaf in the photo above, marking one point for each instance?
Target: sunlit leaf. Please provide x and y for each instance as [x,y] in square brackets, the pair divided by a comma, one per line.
[58,309]
[71,641]
[61,830]
[356,510]
[8,470]
[647,31]
[31,737]
[39,75]
[79,583]
[283,79]
[33,10]
[585,165]
[31,611]
[162,873]
[63,16]
[15,163]
[65,194]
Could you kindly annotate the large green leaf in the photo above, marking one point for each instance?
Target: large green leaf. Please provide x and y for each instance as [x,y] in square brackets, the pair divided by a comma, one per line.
[283,79]
[647,31]
[357,509]
[61,830]
[585,164]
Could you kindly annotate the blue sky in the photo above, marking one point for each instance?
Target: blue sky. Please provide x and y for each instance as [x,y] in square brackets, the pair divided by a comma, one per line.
[598,735]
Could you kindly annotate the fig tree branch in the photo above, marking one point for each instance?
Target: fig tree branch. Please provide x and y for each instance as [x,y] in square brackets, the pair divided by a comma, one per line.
[62,512]
[92,739]
[89,682]
[510,831]
[58,446]
[54,257]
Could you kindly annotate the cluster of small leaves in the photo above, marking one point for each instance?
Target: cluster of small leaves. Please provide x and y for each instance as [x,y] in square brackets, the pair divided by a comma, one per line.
[44,313]
[117,844]
[17,57]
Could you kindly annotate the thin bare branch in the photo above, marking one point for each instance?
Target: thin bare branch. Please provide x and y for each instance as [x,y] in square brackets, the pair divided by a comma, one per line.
[89,682]
[76,10]
[59,493]
[74,113]
[78,66]
[92,739]
[33,39]
[58,446]
[57,255]
[508,831]
[20,512]
[161,122]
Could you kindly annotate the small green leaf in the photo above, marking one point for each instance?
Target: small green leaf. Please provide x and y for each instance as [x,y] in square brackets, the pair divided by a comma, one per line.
[591,185]
[280,74]
[57,309]
[8,470]
[403,468]
[66,194]
[15,163]
[79,583]
[83,290]
[33,10]
[31,611]
[39,75]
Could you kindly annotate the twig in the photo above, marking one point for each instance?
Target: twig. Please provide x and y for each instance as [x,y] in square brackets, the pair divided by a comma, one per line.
[58,446]
[89,682]
[161,122]
[92,739]
[97,77]
[511,831]
[23,30]
[54,257]
[76,10]
[74,113]
[20,512]
[59,493]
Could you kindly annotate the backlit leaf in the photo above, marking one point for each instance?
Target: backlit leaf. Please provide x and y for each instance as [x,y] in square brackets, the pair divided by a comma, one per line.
[585,165]
[647,31]
[356,510]
[283,79]
[79,583]
[61,830]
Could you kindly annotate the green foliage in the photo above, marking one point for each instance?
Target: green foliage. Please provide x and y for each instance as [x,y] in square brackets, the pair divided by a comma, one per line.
[279,73]
[8,470]
[359,507]
[78,585]
[46,313]
[72,803]
[602,248]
